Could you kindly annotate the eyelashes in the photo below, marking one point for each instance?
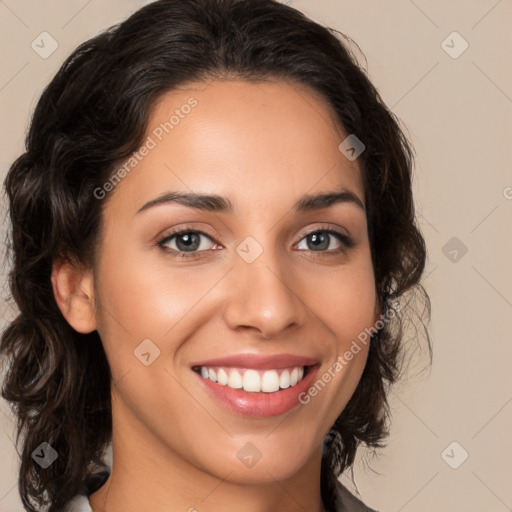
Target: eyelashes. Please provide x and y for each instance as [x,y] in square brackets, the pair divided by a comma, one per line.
[190,238]
[190,235]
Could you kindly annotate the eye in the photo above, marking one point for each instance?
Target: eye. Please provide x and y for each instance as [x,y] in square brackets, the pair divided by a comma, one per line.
[320,241]
[186,242]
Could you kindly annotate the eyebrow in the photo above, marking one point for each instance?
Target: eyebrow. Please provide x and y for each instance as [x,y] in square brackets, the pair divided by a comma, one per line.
[216,203]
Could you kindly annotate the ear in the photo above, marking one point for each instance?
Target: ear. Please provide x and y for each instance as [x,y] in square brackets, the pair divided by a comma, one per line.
[74,293]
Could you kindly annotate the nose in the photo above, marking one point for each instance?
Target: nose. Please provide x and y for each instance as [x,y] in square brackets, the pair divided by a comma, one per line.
[262,297]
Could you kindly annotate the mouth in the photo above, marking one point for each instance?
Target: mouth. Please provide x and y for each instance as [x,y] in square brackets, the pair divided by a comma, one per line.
[255,385]
[252,380]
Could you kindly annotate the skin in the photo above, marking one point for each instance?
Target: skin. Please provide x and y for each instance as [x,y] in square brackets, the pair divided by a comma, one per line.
[263,146]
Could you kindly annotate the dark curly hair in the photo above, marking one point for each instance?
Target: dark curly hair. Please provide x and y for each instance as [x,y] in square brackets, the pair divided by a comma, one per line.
[94,114]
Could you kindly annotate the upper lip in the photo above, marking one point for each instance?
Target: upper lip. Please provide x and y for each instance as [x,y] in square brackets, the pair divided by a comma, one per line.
[259,361]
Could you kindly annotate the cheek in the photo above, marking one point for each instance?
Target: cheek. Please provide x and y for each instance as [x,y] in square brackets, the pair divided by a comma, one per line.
[146,299]
[346,307]
[141,301]
[345,301]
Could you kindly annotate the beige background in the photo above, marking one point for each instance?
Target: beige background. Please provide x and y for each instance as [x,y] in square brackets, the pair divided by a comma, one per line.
[458,112]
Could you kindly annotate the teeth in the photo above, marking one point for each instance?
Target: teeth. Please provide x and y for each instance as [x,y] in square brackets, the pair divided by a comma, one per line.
[269,381]
[222,377]
[284,380]
[235,380]
[254,381]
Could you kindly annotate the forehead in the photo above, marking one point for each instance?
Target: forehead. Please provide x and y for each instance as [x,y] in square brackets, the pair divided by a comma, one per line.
[244,140]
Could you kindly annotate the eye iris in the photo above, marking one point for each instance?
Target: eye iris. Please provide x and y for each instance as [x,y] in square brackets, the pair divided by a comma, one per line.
[191,241]
[319,240]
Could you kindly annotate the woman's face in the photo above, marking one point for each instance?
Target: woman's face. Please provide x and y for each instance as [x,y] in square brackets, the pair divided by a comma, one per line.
[254,288]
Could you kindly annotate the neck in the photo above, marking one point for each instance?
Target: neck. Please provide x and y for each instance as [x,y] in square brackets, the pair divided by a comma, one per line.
[146,487]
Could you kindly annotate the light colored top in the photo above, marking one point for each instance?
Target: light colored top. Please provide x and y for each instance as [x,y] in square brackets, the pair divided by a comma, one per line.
[80,503]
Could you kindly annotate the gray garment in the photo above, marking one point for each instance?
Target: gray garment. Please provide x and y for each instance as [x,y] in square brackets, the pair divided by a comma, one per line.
[347,502]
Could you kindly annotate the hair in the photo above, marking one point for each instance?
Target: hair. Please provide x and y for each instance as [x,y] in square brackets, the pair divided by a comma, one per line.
[94,114]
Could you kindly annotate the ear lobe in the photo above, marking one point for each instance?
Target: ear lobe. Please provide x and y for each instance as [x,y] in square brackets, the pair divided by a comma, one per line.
[74,293]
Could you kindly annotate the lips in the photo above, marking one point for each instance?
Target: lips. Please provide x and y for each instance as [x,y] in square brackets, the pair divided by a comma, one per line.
[258,361]
[283,378]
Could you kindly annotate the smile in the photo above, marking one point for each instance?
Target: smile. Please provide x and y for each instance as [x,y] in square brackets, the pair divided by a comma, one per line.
[256,385]
[252,380]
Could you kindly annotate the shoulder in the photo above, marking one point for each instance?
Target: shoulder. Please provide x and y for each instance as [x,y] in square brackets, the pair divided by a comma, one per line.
[347,502]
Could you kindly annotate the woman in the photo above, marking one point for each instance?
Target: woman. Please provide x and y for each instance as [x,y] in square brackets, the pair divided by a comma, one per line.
[212,231]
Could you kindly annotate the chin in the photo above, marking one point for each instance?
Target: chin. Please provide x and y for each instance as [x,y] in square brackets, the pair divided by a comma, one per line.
[250,466]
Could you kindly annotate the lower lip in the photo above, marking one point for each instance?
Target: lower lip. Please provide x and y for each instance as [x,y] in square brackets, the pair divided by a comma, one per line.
[261,405]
